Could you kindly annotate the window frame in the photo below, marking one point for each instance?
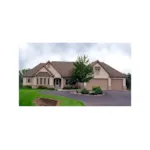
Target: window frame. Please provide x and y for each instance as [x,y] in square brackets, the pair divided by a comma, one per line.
[28,80]
[97,70]
[67,81]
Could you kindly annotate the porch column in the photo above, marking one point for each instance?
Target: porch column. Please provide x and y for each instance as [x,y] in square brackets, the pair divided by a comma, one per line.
[62,83]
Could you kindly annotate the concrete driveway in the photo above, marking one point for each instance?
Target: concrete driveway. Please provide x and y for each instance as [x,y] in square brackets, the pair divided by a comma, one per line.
[110,98]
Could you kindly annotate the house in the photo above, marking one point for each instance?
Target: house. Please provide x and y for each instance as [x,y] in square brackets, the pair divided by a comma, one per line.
[57,74]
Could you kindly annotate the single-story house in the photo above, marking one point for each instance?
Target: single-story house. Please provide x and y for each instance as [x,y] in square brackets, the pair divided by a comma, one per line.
[57,74]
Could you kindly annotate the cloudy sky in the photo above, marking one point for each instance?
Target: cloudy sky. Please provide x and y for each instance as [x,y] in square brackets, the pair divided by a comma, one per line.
[117,55]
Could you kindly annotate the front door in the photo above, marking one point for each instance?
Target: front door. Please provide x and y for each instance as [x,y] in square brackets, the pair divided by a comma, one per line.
[57,83]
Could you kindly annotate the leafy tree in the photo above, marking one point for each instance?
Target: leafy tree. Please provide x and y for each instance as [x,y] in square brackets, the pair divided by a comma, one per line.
[128,81]
[21,73]
[82,71]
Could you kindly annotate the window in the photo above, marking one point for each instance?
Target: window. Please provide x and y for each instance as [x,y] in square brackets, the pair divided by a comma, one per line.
[40,80]
[28,80]
[37,81]
[48,81]
[44,80]
[97,70]
[67,81]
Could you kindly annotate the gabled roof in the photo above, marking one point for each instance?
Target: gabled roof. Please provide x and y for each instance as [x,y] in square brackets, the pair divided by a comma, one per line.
[33,71]
[65,69]
[113,73]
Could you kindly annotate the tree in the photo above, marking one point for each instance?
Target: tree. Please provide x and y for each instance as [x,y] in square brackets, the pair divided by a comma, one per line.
[128,81]
[21,73]
[82,71]
[20,78]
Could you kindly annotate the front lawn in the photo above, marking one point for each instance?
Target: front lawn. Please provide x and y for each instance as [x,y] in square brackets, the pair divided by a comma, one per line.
[26,97]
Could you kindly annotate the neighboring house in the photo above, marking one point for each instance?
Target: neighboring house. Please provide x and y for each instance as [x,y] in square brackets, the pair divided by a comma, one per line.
[57,74]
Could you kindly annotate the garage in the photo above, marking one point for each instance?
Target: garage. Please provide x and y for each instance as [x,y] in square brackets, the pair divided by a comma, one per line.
[117,84]
[103,83]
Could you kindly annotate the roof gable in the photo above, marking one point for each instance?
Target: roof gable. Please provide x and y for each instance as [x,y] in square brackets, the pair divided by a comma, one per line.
[113,73]
[32,72]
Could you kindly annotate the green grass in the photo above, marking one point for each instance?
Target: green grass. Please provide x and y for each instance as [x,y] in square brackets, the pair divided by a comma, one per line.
[26,97]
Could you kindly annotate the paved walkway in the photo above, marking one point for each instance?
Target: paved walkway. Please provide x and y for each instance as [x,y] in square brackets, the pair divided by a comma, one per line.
[111,98]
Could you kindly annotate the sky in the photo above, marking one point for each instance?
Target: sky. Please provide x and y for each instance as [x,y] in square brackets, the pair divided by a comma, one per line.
[117,55]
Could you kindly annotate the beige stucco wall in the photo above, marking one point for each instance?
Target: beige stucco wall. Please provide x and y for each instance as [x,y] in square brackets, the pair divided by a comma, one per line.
[103,74]
[51,81]
[54,71]
[34,81]
[25,81]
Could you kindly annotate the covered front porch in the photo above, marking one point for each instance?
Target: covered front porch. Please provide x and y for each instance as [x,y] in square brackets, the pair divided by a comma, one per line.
[58,83]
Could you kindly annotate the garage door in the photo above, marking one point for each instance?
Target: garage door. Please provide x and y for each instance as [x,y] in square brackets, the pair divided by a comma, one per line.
[117,84]
[103,83]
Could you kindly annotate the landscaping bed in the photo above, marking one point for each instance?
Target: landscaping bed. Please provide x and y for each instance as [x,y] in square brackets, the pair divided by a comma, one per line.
[46,102]
[96,91]
[74,92]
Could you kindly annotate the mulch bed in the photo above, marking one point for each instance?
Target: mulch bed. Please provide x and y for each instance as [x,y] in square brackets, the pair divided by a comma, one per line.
[46,102]
[86,94]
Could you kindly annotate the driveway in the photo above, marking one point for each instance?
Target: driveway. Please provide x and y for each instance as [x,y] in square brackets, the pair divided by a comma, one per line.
[110,98]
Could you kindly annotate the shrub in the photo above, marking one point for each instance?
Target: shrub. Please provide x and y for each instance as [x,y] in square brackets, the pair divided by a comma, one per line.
[84,91]
[42,87]
[27,87]
[98,91]
[95,87]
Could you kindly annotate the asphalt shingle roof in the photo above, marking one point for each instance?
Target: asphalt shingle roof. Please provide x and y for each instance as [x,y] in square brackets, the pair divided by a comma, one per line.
[65,69]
